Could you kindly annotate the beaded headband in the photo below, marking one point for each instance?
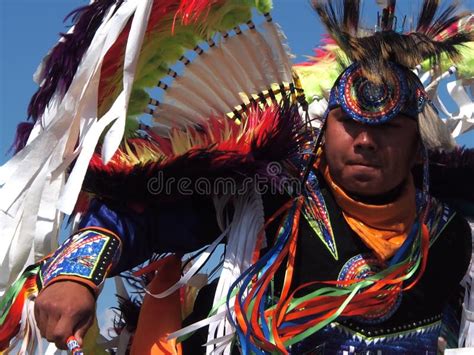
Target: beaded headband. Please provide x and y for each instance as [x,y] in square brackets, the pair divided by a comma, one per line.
[372,103]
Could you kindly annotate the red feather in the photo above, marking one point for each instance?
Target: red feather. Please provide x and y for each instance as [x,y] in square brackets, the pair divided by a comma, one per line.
[11,326]
[272,135]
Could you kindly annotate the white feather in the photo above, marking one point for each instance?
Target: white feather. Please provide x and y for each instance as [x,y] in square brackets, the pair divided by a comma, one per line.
[278,41]
[175,116]
[252,61]
[234,50]
[183,94]
[223,73]
[227,49]
[199,69]
[271,62]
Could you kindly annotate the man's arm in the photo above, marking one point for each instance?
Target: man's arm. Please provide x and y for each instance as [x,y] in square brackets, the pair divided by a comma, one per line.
[73,276]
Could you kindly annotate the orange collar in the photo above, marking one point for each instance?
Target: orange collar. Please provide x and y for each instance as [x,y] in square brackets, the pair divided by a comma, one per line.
[383,228]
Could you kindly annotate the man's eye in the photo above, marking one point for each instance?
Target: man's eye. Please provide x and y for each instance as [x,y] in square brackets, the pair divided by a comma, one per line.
[393,125]
[345,119]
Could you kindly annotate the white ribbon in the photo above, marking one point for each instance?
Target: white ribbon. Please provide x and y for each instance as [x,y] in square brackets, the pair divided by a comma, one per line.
[247,222]
[186,278]
[32,182]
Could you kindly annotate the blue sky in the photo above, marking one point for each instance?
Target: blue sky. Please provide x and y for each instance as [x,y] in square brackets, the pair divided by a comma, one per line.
[29,28]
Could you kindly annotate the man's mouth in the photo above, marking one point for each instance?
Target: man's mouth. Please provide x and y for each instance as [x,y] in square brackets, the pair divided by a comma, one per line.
[364,163]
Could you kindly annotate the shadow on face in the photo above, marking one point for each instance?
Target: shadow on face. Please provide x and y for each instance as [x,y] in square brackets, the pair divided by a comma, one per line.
[370,160]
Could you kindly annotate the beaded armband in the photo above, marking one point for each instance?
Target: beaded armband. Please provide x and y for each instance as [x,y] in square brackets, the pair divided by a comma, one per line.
[86,257]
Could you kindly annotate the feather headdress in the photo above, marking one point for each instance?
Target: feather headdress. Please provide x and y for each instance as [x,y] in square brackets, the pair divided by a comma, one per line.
[202,72]
[432,37]
[384,60]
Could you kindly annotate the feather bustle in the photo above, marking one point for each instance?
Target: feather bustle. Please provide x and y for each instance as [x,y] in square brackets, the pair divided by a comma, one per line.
[234,151]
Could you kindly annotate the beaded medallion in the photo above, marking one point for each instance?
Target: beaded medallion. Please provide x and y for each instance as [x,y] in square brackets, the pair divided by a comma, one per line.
[372,103]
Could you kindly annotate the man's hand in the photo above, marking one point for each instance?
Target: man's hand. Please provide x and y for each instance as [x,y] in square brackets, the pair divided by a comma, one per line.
[63,309]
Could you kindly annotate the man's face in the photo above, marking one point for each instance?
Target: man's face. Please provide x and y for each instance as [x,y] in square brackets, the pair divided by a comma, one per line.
[369,160]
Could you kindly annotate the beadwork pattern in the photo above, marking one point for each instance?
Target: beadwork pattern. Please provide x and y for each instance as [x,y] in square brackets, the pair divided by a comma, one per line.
[317,215]
[371,103]
[347,337]
[89,254]
[360,267]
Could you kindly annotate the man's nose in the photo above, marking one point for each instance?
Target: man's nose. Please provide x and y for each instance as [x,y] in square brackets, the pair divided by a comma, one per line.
[366,139]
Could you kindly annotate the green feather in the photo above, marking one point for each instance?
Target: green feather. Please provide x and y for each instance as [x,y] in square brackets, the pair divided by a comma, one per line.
[465,67]
[225,18]
[165,45]
[317,82]
[263,6]
[139,99]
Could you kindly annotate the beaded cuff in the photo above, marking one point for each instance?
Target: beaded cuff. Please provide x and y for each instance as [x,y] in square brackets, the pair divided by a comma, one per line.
[86,257]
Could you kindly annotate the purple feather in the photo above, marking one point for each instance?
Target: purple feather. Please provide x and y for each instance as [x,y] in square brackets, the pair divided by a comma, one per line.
[62,62]
[23,131]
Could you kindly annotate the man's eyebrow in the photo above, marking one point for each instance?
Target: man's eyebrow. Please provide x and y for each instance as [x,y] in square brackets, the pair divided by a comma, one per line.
[340,114]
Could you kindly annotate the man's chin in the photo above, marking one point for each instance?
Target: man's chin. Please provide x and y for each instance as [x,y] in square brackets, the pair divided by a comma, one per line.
[363,191]
[369,186]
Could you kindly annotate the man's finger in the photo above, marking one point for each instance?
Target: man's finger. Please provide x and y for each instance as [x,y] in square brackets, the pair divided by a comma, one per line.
[61,332]
[50,323]
[81,330]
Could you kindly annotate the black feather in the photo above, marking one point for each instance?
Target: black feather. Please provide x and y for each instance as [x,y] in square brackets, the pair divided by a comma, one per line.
[451,175]
[435,34]
[351,15]
[128,311]
[427,13]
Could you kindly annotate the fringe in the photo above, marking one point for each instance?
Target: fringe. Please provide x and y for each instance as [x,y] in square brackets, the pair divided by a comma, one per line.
[16,320]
